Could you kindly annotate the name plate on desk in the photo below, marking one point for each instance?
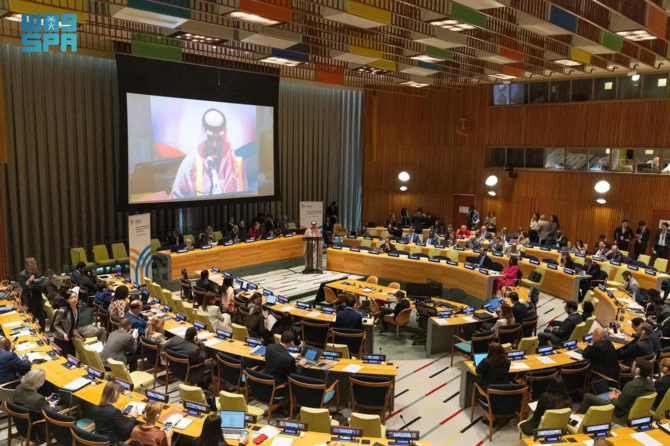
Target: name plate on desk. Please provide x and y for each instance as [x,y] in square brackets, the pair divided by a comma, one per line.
[633,267]
[452,263]
[249,240]
[270,237]
[351,236]
[288,234]
[393,254]
[534,262]
[367,238]
[355,249]
[182,251]
[580,255]
[458,248]
[373,359]
[468,266]
[292,427]
[439,246]
[402,242]
[528,246]
[434,260]
[650,272]
[136,286]
[414,257]
[444,314]
[615,263]
[203,247]
[229,243]
[601,287]
[600,259]
[336,247]
[552,266]
[497,254]
[283,300]
[374,253]
[331,356]
[460,237]
[420,244]
[544,248]
[483,271]
[215,269]
[610,295]
[569,272]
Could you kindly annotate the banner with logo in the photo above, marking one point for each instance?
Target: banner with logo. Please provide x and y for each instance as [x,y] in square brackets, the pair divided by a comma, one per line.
[139,232]
[311,210]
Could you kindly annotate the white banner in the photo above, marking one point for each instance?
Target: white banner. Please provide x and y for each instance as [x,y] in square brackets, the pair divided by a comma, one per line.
[311,210]
[139,232]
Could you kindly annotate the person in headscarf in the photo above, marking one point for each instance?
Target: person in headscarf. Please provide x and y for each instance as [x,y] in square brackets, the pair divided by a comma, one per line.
[213,169]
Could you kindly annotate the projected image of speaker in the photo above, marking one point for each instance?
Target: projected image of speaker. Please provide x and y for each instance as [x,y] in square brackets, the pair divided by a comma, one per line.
[419,292]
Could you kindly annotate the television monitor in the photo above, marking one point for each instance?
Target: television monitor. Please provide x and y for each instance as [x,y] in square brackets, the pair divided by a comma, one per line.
[436,287]
[415,290]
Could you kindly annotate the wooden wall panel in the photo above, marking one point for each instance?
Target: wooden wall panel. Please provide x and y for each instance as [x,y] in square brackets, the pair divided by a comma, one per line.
[417,135]
[4,262]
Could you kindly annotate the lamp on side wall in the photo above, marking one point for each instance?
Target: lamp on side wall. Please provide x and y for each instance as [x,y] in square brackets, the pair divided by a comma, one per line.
[602,187]
[491,183]
[404,178]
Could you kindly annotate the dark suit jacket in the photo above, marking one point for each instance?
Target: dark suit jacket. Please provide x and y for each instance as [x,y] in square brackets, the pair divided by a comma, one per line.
[173,240]
[417,221]
[11,367]
[631,391]
[208,285]
[255,324]
[644,240]
[486,263]
[635,349]
[658,236]
[25,286]
[568,325]
[520,312]
[603,358]
[496,247]
[593,271]
[110,422]
[137,322]
[349,318]
[195,352]
[662,386]
[627,235]
[279,363]
[399,307]
[562,242]
[616,256]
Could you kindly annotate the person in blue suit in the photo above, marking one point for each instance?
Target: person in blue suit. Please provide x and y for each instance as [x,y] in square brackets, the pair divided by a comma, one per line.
[11,366]
[137,320]
[411,236]
[348,317]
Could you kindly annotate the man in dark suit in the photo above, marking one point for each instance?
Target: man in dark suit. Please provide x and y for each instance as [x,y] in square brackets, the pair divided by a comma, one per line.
[175,239]
[473,218]
[484,234]
[615,254]
[136,318]
[11,367]
[32,285]
[623,235]
[496,245]
[121,346]
[592,269]
[278,361]
[402,303]
[348,317]
[602,355]
[191,347]
[641,239]
[560,331]
[561,239]
[483,260]
[639,347]
[600,250]
[206,284]
[661,242]
[520,310]
[418,220]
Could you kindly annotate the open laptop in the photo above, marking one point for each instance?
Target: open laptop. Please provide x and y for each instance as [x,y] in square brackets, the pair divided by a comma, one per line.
[232,423]
[601,388]
[312,355]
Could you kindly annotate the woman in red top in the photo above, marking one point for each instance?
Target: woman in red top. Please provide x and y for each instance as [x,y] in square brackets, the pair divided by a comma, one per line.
[463,232]
[255,232]
[148,434]
[509,276]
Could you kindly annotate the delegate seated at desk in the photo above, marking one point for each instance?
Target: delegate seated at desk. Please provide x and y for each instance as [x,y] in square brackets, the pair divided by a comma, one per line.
[520,310]
[431,239]
[121,346]
[637,348]
[205,284]
[623,401]
[560,331]
[348,317]
[602,355]
[494,369]
[401,304]
[280,363]
[11,366]
[411,236]
[109,421]
[483,261]
[592,269]
[138,321]
[473,242]
[193,348]
[26,395]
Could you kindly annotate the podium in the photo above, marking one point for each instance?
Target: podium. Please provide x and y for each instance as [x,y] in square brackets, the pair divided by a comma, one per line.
[313,253]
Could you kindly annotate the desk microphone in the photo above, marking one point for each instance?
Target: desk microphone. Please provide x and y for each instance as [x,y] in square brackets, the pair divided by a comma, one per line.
[403,420]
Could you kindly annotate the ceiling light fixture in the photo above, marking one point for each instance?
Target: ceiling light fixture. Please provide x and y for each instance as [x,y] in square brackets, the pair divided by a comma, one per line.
[567,62]
[403,188]
[403,176]
[602,187]
[638,35]
[502,76]
[414,84]
[282,61]
[372,70]
[601,200]
[197,38]
[252,18]
[492,193]
[452,25]
[426,58]
[492,180]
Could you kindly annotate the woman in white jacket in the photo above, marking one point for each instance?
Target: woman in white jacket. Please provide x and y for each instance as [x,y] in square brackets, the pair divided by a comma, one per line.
[219,320]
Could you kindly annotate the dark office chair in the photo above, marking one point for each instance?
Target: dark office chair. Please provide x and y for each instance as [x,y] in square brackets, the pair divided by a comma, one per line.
[352,338]
[478,344]
[538,380]
[80,436]
[424,312]
[457,295]
[495,266]
[510,334]
[529,326]
[499,400]
[471,259]
[264,388]
[576,378]
[229,372]
[33,431]
[315,333]
[181,368]
[186,291]
[311,392]
[371,393]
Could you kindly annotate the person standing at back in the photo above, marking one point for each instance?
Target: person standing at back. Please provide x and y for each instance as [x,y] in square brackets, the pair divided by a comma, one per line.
[418,220]
[661,242]
[31,281]
[473,218]
[641,239]
[623,235]
[543,229]
[332,214]
[349,317]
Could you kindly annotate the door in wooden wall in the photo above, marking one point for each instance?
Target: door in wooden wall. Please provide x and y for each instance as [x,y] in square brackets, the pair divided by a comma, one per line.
[460,209]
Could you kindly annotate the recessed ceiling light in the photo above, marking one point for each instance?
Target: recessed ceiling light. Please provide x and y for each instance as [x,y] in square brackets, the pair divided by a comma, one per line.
[197,38]
[426,58]
[252,18]
[282,61]
[452,25]
[492,180]
[403,176]
[414,84]
[637,35]
[602,186]
[601,200]
[567,62]
[372,70]
[492,193]
[502,76]
[403,188]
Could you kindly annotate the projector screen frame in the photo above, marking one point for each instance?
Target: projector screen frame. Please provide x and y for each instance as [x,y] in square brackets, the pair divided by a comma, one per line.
[137,75]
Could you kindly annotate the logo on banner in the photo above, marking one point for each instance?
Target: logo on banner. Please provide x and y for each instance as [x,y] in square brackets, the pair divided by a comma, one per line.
[43,31]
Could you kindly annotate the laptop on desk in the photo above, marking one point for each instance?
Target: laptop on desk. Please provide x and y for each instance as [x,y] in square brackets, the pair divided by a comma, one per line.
[312,355]
[232,423]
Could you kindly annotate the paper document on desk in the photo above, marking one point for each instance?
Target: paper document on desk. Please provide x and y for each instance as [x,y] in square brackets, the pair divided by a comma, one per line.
[519,366]
[268,431]
[645,439]
[574,355]
[139,406]
[25,346]
[313,314]
[441,321]
[470,319]
[211,342]
[183,423]
[12,324]
[35,356]
[179,331]
[288,308]
[282,441]
[352,368]
[367,321]
[7,314]
[205,334]
[545,360]
[588,442]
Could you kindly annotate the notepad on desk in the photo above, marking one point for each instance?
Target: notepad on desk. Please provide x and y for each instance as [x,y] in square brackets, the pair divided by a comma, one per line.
[313,314]
[574,355]
[25,346]
[519,366]
[179,331]
[205,335]
[7,314]
[288,308]
[645,439]
[441,321]
[545,360]
[211,342]
[352,368]
[470,319]
[12,324]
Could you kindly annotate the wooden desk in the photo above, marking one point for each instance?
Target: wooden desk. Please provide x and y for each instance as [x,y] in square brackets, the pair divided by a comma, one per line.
[235,256]
[623,438]
[472,282]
